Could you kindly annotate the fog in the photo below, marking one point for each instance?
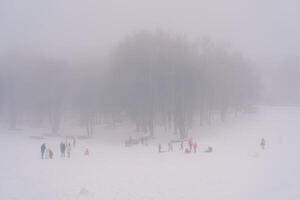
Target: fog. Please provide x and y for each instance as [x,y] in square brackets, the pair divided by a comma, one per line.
[149,99]
[232,54]
[265,31]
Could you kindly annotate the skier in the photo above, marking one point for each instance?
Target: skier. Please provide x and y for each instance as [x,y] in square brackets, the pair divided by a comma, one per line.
[190,142]
[195,147]
[170,147]
[43,149]
[263,143]
[69,150]
[62,149]
[50,153]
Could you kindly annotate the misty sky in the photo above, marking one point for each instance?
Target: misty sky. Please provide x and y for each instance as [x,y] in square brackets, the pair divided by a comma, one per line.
[266,31]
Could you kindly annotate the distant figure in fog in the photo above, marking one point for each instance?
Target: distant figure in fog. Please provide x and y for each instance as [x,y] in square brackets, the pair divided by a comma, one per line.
[190,142]
[46,154]
[74,141]
[43,149]
[170,146]
[187,150]
[86,152]
[62,149]
[208,150]
[69,150]
[195,145]
[50,153]
[181,146]
[263,143]
[159,148]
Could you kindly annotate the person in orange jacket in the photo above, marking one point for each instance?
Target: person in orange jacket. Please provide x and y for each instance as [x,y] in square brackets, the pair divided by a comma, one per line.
[190,142]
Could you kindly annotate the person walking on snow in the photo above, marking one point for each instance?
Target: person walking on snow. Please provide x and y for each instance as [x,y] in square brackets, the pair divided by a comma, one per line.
[263,143]
[43,149]
[195,145]
[69,150]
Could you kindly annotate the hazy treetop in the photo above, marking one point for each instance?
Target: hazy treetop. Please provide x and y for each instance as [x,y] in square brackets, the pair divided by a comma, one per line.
[264,30]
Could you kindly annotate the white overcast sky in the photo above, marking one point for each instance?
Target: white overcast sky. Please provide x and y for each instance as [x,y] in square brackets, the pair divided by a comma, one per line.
[266,31]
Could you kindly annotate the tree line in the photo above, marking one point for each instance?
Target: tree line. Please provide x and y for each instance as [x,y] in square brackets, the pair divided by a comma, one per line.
[152,79]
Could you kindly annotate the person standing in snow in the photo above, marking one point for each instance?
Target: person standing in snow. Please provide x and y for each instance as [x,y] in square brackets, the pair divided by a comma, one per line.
[50,153]
[74,142]
[181,146]
[190,142]
[86,152]
[62,149]
[187,150]
[43,149]
[46,153]
[170,146]
[159,148]
[263,143]
[69,150]
[208,150]
[195,145]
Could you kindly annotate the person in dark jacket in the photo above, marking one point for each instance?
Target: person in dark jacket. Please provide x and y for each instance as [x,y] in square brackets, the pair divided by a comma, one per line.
[43,149]
[159,148]
[62,149]
[208,150]
[263,143]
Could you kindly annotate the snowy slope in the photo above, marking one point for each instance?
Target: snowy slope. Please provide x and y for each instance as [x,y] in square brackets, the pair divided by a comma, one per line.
[237,169]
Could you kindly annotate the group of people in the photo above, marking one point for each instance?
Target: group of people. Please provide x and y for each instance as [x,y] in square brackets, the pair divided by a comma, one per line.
[65,149]
[46,153]
[192,147]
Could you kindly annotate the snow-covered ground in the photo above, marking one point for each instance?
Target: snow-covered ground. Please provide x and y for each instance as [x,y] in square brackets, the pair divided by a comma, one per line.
[237,169]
